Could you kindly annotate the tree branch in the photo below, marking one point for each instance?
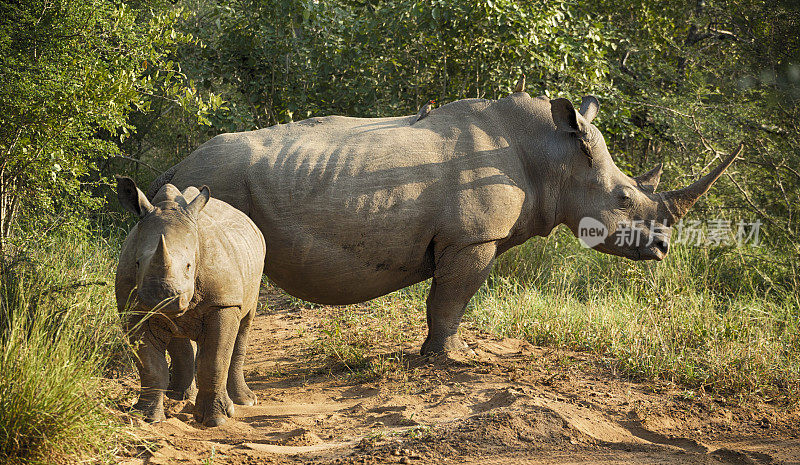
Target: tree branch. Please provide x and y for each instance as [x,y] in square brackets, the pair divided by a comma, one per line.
[123,157]
[623,66]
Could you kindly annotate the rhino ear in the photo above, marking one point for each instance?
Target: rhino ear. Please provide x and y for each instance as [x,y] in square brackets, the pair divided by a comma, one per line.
[566,119]
[589,107]
[564,115]
[131,198]
[197,204]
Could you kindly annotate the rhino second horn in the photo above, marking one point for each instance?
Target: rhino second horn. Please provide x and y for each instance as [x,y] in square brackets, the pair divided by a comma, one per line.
[680,201]
[648,182]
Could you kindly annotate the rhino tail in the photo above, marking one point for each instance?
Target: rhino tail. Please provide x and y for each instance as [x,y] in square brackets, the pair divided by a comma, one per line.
[159,182]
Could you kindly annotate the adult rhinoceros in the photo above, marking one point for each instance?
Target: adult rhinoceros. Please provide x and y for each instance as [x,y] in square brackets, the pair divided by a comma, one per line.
[355,208]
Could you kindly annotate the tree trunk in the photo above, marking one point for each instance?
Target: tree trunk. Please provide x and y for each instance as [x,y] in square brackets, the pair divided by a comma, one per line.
[8,207]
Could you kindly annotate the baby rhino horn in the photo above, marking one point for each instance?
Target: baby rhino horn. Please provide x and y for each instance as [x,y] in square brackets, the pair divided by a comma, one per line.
[161,255]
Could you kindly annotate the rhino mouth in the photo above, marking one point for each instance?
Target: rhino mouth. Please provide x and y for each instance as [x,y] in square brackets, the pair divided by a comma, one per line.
[650,253]
[654,252]
[173,305]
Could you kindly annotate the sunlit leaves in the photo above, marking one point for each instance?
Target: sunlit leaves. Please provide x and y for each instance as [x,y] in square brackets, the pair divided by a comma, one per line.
[71,71]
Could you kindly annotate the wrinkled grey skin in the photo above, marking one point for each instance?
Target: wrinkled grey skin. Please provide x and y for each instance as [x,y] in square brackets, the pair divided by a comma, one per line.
[354,208]
[194,264]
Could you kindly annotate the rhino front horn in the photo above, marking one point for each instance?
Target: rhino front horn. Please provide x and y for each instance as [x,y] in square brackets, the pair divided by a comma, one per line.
[680,201]
[161,256]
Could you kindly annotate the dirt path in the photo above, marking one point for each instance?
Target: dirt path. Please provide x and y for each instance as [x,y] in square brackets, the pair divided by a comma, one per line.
[512,403]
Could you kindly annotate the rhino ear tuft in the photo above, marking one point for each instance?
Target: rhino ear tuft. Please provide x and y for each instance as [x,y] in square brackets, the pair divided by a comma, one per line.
[589,107]
[197,204]
[131,198]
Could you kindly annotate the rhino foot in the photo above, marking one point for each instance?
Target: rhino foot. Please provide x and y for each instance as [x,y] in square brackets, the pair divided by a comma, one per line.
[242,396]
[438,345]
[152,411]
[182,394]
[213,409]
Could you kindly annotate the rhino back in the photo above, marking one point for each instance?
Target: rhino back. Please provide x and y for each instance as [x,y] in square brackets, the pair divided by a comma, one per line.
[351,208]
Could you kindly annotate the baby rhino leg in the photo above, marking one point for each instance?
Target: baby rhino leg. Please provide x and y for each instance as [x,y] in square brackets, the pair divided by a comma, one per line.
[215,347]
[237,388]
[151,362]
[181,370]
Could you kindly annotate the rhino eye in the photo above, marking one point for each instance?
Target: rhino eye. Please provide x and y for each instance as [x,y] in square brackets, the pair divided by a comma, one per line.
[188,265]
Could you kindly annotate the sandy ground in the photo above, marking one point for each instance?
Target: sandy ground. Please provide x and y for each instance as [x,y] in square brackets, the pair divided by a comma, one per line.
[511,403]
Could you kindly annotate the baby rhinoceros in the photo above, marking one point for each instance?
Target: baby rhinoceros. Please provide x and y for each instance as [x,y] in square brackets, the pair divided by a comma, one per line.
[189,270]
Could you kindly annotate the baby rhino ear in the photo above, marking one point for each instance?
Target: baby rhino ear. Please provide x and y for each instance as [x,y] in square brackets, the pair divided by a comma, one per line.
[131,198]
[197,204]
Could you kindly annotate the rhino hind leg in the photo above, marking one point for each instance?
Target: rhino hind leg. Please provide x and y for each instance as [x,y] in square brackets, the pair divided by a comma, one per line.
[457,276]
[238,390]
[181,370]
[213,406]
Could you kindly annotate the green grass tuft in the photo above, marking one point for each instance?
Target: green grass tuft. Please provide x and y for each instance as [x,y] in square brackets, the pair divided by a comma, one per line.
[59,332]
[725,320]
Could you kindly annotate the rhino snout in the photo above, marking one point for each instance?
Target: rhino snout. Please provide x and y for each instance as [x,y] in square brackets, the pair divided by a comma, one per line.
[661,245]
[166,301]
[656,250]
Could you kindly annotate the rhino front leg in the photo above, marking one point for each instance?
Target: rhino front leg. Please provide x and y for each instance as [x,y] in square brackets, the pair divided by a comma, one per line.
[181,370]
[237,387]
[151,362]
[215,347]
[457,276]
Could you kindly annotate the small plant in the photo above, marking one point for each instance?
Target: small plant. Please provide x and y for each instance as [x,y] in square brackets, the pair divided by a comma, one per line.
[420,432]
[210,459]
